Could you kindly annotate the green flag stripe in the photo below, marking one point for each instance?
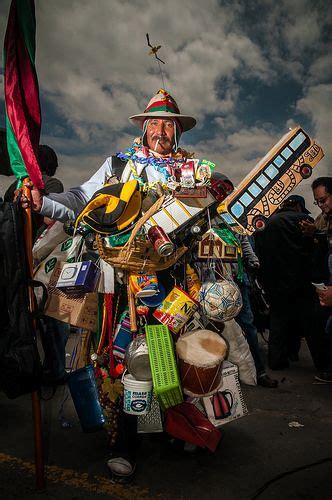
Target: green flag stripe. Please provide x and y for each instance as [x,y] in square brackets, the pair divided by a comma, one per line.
[16,160]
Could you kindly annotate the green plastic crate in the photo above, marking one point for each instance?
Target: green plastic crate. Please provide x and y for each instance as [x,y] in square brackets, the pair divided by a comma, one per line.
[166,382]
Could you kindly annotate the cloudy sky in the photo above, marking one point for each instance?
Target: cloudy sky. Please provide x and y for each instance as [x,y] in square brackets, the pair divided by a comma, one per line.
[247,70]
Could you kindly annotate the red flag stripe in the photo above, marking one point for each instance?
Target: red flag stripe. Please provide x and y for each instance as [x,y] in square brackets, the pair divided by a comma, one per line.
[22,97]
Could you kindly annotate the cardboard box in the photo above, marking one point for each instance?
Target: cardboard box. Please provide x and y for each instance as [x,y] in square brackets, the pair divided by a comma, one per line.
[78,277]
[78,310]
[228,403]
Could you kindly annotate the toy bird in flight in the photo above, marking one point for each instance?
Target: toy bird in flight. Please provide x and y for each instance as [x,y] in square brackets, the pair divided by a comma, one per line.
[154,49]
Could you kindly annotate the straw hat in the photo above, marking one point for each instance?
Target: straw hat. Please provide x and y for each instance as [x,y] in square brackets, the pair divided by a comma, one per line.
[162,105]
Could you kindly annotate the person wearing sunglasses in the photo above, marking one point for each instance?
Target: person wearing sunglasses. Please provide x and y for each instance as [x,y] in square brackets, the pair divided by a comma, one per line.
[321,232]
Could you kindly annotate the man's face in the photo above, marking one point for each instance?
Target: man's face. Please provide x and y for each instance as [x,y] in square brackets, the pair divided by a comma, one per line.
[323,199]
[160,135]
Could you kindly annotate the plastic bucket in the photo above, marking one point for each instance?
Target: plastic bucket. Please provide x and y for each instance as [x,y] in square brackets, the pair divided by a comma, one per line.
[137,395]
[83,390]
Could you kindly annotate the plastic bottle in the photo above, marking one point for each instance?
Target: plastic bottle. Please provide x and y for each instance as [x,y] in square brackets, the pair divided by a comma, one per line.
[193,282]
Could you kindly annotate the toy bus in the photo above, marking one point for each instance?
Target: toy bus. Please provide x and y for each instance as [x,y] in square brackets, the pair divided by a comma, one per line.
[262,191]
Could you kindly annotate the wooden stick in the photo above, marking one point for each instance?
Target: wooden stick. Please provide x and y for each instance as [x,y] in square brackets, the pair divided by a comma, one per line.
[35,398]
[132,310]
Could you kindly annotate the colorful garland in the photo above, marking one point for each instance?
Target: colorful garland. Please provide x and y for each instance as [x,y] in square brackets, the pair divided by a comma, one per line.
[160,164]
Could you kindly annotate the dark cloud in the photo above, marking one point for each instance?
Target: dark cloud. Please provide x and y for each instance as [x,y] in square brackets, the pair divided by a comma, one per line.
[246,70]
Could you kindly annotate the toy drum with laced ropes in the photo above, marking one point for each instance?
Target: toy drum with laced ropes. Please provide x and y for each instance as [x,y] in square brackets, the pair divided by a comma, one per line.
[200,355]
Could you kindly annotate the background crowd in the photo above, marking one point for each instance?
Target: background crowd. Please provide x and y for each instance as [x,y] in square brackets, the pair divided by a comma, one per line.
[294,252]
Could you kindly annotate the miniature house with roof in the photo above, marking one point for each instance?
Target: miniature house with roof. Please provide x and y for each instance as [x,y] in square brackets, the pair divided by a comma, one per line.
[219,244]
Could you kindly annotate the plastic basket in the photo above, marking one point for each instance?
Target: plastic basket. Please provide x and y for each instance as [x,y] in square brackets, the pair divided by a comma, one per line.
[166,381]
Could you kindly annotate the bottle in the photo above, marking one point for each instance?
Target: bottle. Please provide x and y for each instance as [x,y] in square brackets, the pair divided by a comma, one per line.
[193,282]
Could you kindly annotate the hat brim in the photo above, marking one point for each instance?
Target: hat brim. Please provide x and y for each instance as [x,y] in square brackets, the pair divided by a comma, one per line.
[187,122]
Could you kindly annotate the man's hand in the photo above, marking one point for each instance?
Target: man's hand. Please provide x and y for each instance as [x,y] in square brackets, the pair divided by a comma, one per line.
[308,228]
[325,297]
[36,198]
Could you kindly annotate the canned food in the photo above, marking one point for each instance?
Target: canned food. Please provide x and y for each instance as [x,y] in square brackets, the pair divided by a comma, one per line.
[176,309]
[160,241]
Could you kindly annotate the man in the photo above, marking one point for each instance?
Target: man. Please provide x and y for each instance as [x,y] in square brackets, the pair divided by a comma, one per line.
[246,318]
[285,255]
[322,191]
[155,157]
[321,231]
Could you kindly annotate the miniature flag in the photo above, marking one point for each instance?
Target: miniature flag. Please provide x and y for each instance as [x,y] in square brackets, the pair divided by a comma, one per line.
[23,117]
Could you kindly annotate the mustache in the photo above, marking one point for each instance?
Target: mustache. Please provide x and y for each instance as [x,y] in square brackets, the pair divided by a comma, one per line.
[159,137]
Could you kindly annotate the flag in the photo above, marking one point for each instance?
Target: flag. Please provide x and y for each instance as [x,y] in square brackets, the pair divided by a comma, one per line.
[23,117]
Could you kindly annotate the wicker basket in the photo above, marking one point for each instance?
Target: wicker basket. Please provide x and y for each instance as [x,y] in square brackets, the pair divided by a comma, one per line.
[138,254]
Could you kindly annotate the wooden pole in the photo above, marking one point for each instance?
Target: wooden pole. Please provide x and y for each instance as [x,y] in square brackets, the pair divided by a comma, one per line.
[35,397]
[132,309]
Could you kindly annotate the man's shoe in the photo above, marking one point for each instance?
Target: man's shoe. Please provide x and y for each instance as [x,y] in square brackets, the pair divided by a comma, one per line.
[266,381]
[121,470]
[324,377]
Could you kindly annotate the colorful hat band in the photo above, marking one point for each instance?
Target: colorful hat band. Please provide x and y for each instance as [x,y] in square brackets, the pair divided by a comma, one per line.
[162,105]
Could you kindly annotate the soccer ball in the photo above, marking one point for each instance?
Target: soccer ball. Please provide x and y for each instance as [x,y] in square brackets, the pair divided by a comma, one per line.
[220,300]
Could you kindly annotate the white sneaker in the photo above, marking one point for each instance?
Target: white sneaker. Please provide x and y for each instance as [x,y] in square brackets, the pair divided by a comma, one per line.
[120,468]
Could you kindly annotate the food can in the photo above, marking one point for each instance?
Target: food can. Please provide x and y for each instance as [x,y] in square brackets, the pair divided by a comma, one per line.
[177,308]
[160,241]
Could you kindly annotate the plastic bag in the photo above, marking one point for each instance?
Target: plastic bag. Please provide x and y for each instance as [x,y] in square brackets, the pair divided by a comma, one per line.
[239,352]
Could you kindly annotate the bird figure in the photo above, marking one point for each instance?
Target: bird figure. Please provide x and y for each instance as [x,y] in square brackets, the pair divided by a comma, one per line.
[154,49]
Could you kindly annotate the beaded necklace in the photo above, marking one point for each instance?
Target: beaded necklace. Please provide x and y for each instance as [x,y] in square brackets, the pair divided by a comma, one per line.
[136,153]
[145,186]
[160,164]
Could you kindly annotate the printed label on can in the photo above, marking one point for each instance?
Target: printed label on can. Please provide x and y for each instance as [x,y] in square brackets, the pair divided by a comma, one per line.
[177,308]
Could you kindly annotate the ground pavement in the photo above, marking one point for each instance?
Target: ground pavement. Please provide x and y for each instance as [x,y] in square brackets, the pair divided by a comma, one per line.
[260,455]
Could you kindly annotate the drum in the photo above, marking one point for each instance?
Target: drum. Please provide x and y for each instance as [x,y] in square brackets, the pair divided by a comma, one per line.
[201,353]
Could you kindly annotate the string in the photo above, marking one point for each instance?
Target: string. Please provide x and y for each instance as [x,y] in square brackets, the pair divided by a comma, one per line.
[81,249]
[210,261]
[161,74]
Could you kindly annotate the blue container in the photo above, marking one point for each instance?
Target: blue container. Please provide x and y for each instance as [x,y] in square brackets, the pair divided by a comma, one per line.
[83,389]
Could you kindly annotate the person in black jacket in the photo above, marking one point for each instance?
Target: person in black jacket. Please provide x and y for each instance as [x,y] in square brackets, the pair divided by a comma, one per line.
[285,254]
[48,163]
[53,333]
[321,233]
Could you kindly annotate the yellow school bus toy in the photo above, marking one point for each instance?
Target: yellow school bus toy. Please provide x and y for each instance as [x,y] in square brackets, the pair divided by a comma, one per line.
[262,191]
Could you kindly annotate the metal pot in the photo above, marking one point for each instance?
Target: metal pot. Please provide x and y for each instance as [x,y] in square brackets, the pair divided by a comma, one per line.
[137,359]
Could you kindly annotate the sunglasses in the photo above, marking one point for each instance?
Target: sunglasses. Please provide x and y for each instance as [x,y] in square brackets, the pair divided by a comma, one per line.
[322,201]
